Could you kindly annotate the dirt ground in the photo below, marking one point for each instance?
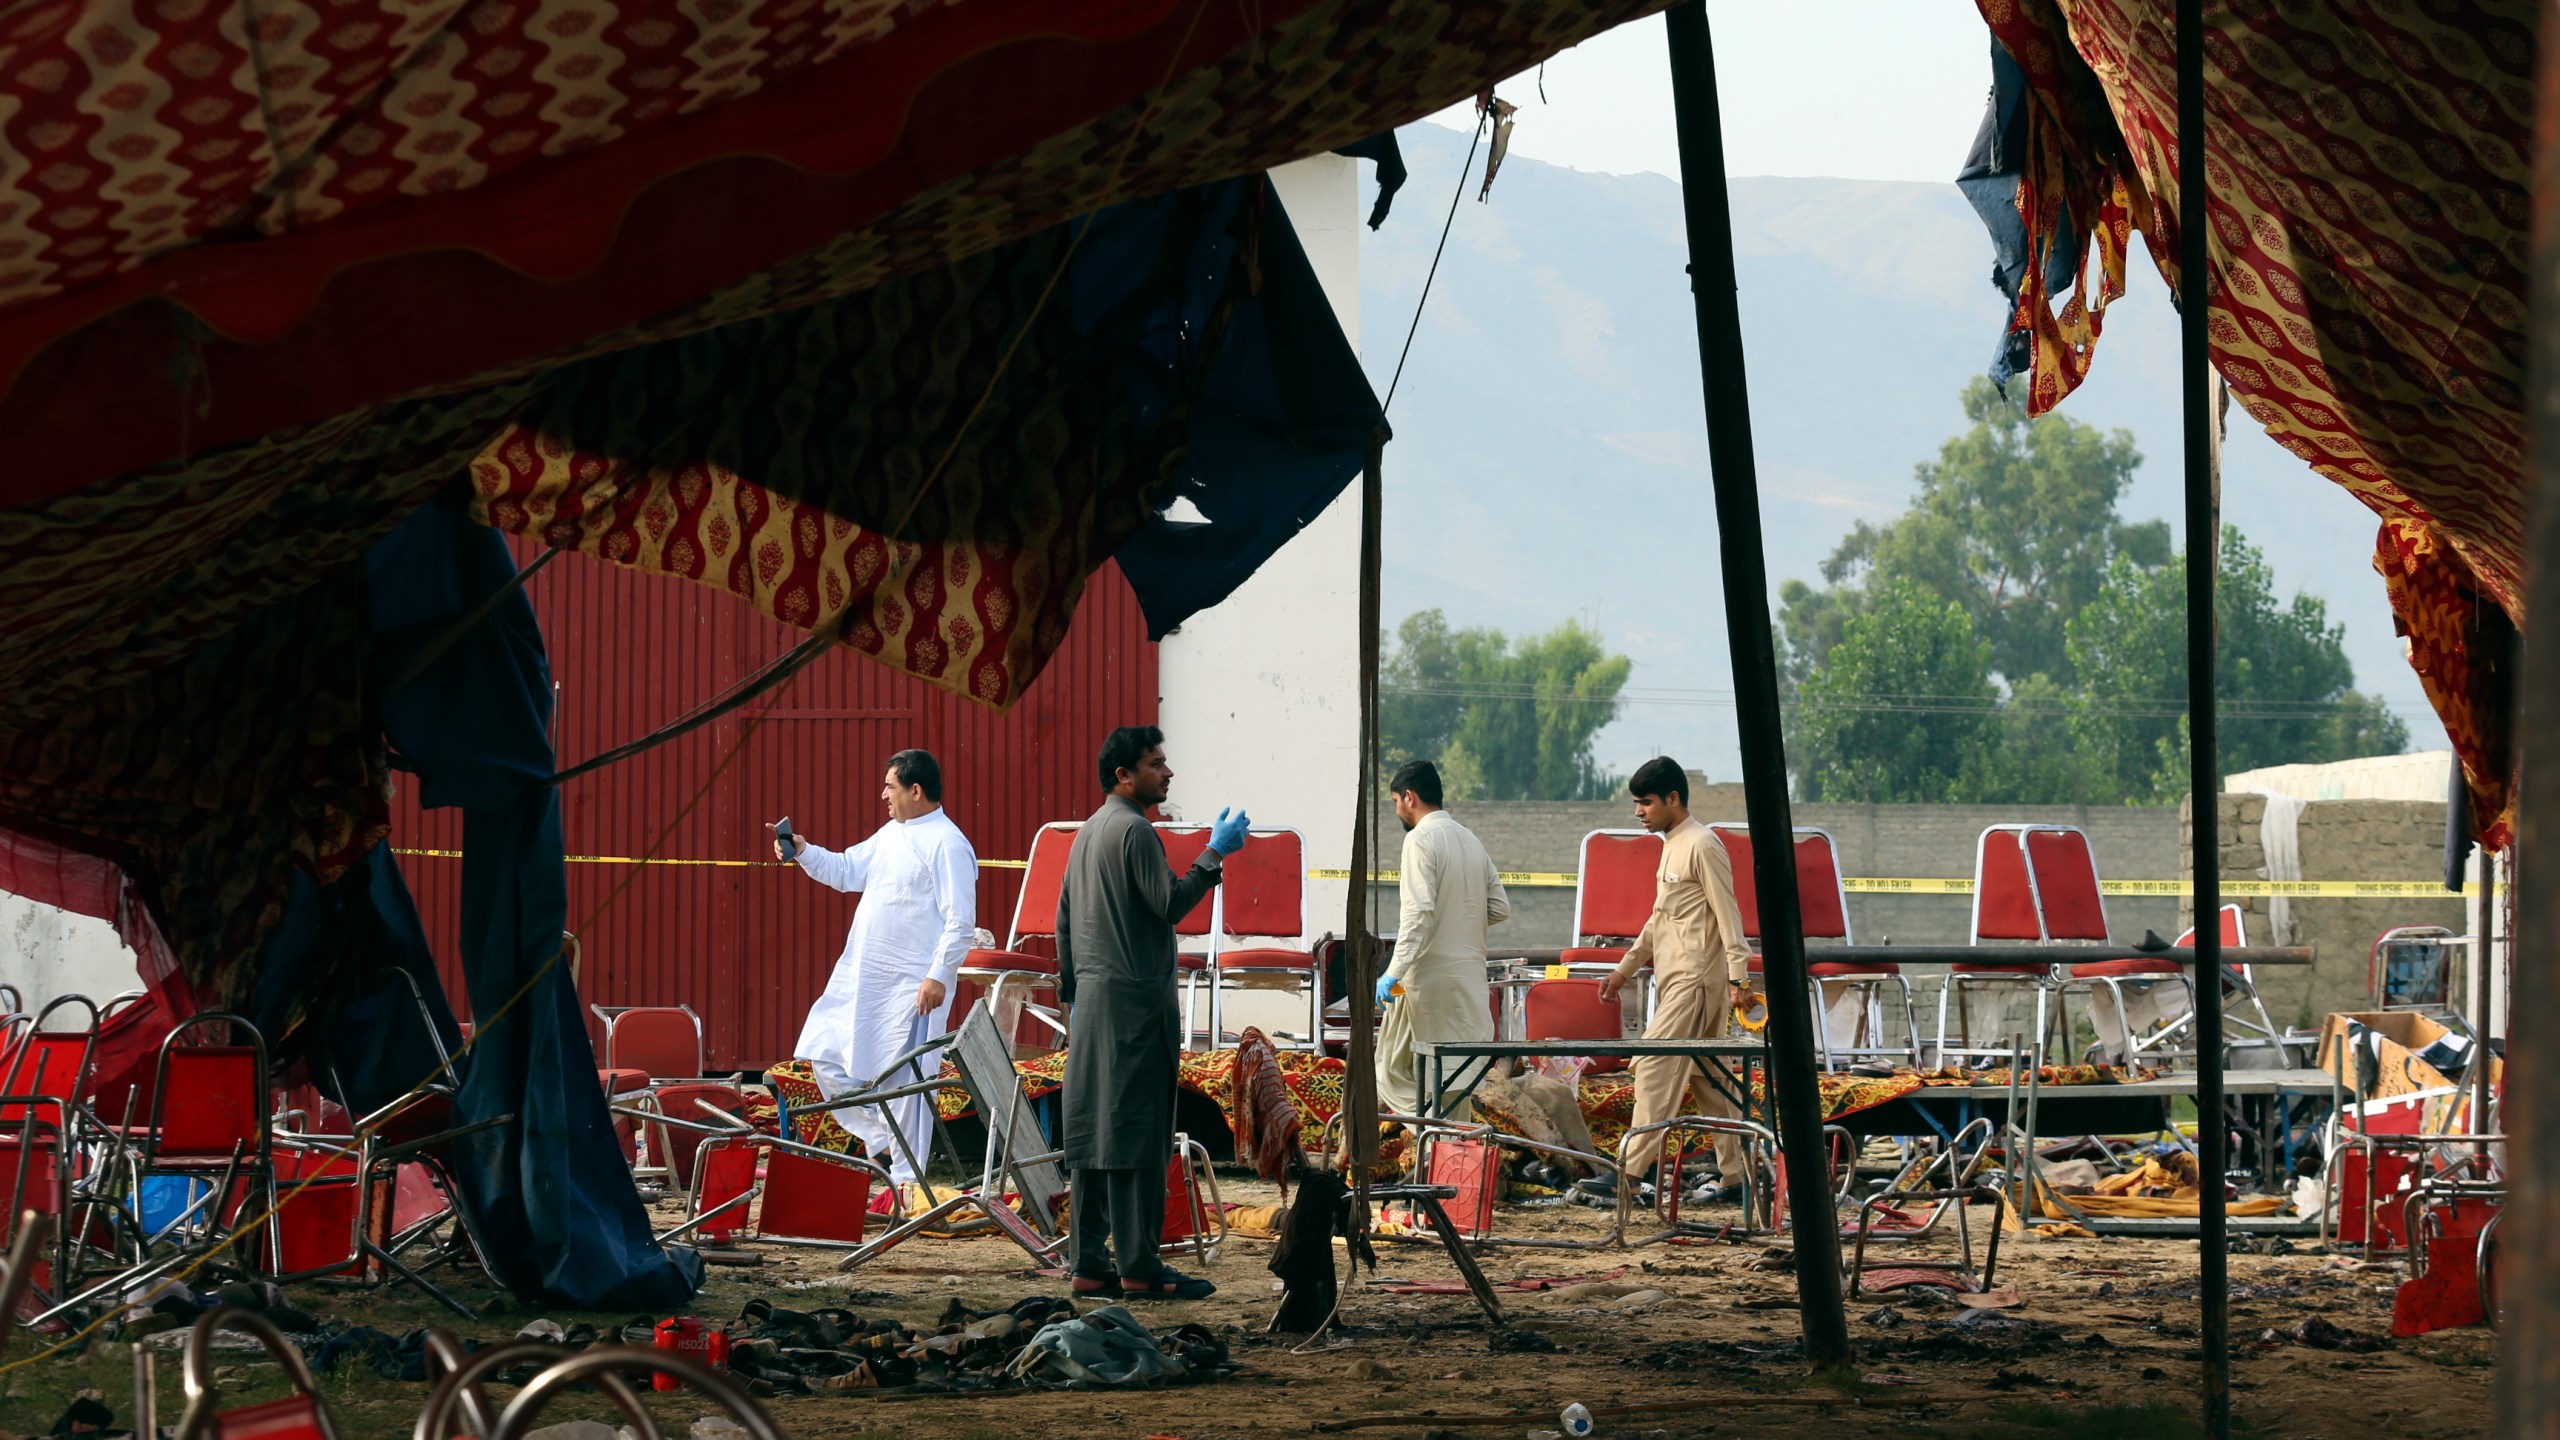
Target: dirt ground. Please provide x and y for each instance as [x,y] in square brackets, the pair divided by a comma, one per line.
[2102,1345]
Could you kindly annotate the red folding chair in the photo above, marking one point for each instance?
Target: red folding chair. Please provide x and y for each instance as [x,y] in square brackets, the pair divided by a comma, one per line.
[1263,897]
[1027,966]
[302,1415]
[648,1050]
[1612,898]
[1824,898]
[52,1154]
[663,1042]
[37,1164]
[2114,975]
[1571,1009]
[45,1058]
[598,1366]
[2032,884]
[762,1187]
[210,1124]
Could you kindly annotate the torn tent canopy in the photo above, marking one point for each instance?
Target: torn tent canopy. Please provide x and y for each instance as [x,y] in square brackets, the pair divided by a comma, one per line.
[2370,224]
[849,463]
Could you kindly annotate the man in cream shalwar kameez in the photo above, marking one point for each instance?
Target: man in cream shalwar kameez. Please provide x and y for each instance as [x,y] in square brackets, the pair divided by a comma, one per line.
[1701,963]
[1448,896]
[891,990]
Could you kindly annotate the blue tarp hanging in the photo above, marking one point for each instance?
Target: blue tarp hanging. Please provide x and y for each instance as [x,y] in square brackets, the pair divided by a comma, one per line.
[551,1194]
[1283,421]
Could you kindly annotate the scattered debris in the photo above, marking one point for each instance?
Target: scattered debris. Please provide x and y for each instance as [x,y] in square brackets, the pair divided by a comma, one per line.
[2321,1334]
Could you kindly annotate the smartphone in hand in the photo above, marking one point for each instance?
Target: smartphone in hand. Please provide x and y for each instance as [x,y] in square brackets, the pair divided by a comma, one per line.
[790,842]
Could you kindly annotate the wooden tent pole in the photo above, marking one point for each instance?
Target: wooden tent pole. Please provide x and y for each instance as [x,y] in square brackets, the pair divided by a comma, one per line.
[2204,784]
[2529,1363]
[1755,682]
[1360,1078]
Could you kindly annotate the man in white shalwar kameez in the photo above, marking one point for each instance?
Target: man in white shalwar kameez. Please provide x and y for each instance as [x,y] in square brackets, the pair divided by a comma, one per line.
[891,990]
[1449,894]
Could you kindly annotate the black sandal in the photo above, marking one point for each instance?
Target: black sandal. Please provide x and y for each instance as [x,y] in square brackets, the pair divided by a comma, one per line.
[1168,1284]
[1094,1287]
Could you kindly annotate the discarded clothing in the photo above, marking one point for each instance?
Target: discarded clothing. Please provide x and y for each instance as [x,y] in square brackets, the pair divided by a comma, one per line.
[1106,1350]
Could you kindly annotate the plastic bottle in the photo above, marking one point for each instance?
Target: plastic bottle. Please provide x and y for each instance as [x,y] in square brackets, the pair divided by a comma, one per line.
[1576,1420]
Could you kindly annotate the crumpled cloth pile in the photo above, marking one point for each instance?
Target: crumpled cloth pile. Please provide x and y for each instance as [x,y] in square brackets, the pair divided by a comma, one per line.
[1039,1342]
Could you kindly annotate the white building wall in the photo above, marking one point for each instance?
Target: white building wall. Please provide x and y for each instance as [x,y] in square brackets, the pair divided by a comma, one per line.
[1260,699]
[46,952]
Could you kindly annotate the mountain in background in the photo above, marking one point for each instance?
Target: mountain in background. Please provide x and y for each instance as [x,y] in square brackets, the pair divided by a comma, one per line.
[1550,454]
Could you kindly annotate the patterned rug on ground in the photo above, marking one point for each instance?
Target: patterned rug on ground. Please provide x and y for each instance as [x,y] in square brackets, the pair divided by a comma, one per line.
[1315,1085]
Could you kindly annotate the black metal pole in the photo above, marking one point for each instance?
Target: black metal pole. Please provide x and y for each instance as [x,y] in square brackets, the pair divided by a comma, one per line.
[2204,787]
[2529,1249]
[1755,682]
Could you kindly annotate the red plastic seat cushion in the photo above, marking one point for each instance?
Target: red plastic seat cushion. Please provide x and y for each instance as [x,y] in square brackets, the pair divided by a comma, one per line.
[1984,967]
[1592,955]
[1267,957]
[2121,969]
[1009,960]
[622,1082]
[1830,969]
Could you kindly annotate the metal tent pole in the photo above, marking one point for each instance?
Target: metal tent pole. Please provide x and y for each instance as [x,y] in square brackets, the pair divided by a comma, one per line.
[2529,1362]
[2204,544]
[1755,682]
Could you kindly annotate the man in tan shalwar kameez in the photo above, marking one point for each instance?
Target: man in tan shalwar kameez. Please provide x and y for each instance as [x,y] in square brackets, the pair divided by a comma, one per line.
[1448,894]
[1701,969]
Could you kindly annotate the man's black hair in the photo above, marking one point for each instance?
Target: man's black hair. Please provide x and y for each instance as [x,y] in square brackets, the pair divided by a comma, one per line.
[1660,776]
[918,767]
[1421,777]
[1124,749]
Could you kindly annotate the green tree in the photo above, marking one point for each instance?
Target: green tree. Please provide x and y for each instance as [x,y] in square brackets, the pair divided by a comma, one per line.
[2034,757]
[2282,679]
[1503,721]
[1901,708]
[2015,521]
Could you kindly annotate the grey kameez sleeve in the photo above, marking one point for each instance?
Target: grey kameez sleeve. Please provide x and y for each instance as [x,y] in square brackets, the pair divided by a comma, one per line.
[1066,948]
[1153,881]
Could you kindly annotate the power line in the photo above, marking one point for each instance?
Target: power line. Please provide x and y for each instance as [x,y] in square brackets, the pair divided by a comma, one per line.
[2146,708]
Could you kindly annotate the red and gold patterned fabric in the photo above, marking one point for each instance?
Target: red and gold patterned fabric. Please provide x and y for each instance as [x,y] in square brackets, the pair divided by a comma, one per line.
[2367,169]
[1010,467]
[262,225]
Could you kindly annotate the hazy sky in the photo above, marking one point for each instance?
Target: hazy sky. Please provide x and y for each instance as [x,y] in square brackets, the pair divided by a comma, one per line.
[1859,89]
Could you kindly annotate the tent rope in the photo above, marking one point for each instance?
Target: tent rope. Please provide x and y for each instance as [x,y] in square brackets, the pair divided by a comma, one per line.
[1428,276]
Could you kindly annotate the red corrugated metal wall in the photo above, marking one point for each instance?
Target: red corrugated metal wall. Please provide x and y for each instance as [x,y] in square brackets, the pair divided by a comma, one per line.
[749,947]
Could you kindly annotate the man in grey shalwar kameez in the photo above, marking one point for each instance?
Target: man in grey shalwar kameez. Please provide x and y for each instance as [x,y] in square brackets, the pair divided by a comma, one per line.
[1117,976]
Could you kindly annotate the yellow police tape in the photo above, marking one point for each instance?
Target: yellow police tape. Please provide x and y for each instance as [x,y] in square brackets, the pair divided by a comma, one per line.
[1898,885]
[673,860]
[1856,884]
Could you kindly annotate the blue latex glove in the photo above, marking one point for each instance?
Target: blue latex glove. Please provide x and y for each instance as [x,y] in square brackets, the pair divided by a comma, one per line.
[1226,836]
[1386,989]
